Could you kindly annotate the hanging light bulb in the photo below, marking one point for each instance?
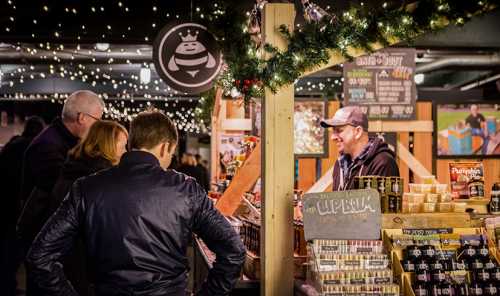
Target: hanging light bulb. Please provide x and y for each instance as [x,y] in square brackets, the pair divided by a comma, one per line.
[102,46]
[312,12]
[145,75]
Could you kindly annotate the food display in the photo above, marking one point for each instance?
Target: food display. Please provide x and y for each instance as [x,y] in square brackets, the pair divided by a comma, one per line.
[351,267]
[430,198]
[446,262]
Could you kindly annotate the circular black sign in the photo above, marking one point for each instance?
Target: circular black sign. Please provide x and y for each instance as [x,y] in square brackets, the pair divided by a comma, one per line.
[186,57]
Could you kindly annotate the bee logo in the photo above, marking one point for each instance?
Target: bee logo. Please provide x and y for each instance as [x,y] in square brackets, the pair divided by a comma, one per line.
[190,55]
[187,57]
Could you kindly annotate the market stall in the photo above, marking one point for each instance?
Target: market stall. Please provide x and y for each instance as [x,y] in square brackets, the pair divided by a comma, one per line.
[254,179]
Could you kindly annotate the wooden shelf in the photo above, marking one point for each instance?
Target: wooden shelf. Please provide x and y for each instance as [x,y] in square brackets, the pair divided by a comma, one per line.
[429,220]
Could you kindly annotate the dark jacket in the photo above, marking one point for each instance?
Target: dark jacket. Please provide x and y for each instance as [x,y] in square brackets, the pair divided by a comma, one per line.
[72,170]
[376,160]
[75,265]
[11,159]
[197,172]
[42,165]
[137,221]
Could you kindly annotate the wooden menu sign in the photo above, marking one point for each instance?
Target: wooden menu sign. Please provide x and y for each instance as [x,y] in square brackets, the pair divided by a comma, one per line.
[382,84]
[352,214]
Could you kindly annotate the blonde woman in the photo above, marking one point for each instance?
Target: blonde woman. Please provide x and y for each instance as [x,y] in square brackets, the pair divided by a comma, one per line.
[102,148]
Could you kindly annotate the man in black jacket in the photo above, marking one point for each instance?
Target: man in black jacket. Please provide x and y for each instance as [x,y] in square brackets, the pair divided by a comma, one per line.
[137,219]
[44,159]
[359,155]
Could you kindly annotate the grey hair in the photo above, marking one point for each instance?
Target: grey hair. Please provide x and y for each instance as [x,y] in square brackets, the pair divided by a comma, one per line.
[82,101]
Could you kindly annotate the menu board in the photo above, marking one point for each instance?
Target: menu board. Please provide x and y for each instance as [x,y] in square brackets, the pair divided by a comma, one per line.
[382,84]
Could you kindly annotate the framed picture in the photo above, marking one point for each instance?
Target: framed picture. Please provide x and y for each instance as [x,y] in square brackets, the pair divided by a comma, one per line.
[467,130]
[311,140]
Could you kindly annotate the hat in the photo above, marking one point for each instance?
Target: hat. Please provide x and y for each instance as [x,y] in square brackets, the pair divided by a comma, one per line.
[350,115]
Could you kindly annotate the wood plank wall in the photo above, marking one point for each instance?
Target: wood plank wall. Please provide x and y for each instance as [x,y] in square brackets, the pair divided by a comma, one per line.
[422,150]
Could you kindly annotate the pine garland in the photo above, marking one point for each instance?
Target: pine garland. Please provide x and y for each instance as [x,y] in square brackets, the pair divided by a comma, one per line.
[248,74]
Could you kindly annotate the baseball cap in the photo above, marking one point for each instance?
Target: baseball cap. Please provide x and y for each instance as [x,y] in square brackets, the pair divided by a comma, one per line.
[350,115]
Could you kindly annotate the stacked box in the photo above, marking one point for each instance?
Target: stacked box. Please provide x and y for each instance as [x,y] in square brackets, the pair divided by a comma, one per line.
[351,267]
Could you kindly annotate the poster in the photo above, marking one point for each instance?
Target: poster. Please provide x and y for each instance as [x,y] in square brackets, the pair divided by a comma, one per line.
[468,129]
[382,84]
[466,180]
[230,149]
[310,139]
[309,136]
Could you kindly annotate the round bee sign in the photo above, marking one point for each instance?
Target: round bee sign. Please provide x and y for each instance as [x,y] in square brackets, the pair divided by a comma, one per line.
[186,57]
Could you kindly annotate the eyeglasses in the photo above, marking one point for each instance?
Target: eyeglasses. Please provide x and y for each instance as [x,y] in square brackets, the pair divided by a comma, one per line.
[89,115]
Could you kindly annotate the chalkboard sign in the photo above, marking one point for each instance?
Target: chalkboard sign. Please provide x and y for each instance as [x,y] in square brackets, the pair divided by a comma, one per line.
[352,214]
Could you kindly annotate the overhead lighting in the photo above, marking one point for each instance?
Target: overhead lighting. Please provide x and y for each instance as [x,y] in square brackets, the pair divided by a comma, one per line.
[102,46]
[145,75]
[419,78]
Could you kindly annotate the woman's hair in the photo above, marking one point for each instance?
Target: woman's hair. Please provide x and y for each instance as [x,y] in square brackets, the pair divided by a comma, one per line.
[100,141]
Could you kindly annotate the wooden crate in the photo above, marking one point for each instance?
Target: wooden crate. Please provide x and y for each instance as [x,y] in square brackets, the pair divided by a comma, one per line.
[251,268]
[405,278]
[407,288]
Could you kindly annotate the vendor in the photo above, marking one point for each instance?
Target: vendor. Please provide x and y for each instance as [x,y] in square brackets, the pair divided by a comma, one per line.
[359,154]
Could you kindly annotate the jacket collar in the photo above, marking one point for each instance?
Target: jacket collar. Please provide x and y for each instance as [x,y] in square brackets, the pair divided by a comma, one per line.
[138,157]
[66,134]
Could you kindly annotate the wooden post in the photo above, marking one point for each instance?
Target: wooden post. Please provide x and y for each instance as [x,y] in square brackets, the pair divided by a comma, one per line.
[277,169]
[422,141]
[215,138]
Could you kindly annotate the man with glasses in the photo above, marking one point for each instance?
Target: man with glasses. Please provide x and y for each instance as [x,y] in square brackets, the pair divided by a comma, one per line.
[359,154]
[44,159]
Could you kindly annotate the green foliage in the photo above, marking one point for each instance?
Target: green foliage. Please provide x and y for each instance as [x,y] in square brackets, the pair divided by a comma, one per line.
[309,45]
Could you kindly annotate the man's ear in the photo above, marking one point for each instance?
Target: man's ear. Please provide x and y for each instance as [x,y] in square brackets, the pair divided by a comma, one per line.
[163,149]
[359,132]
[79,117]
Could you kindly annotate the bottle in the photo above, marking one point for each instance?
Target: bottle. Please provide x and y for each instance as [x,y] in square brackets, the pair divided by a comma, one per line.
[435,289]
[437,274]
[462,289]
[494,205]
[490,289]
[420,290]
[482,276]
[429,252]
[447,289]
[413,253]
[489,264]
[476,289]
[483,252]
